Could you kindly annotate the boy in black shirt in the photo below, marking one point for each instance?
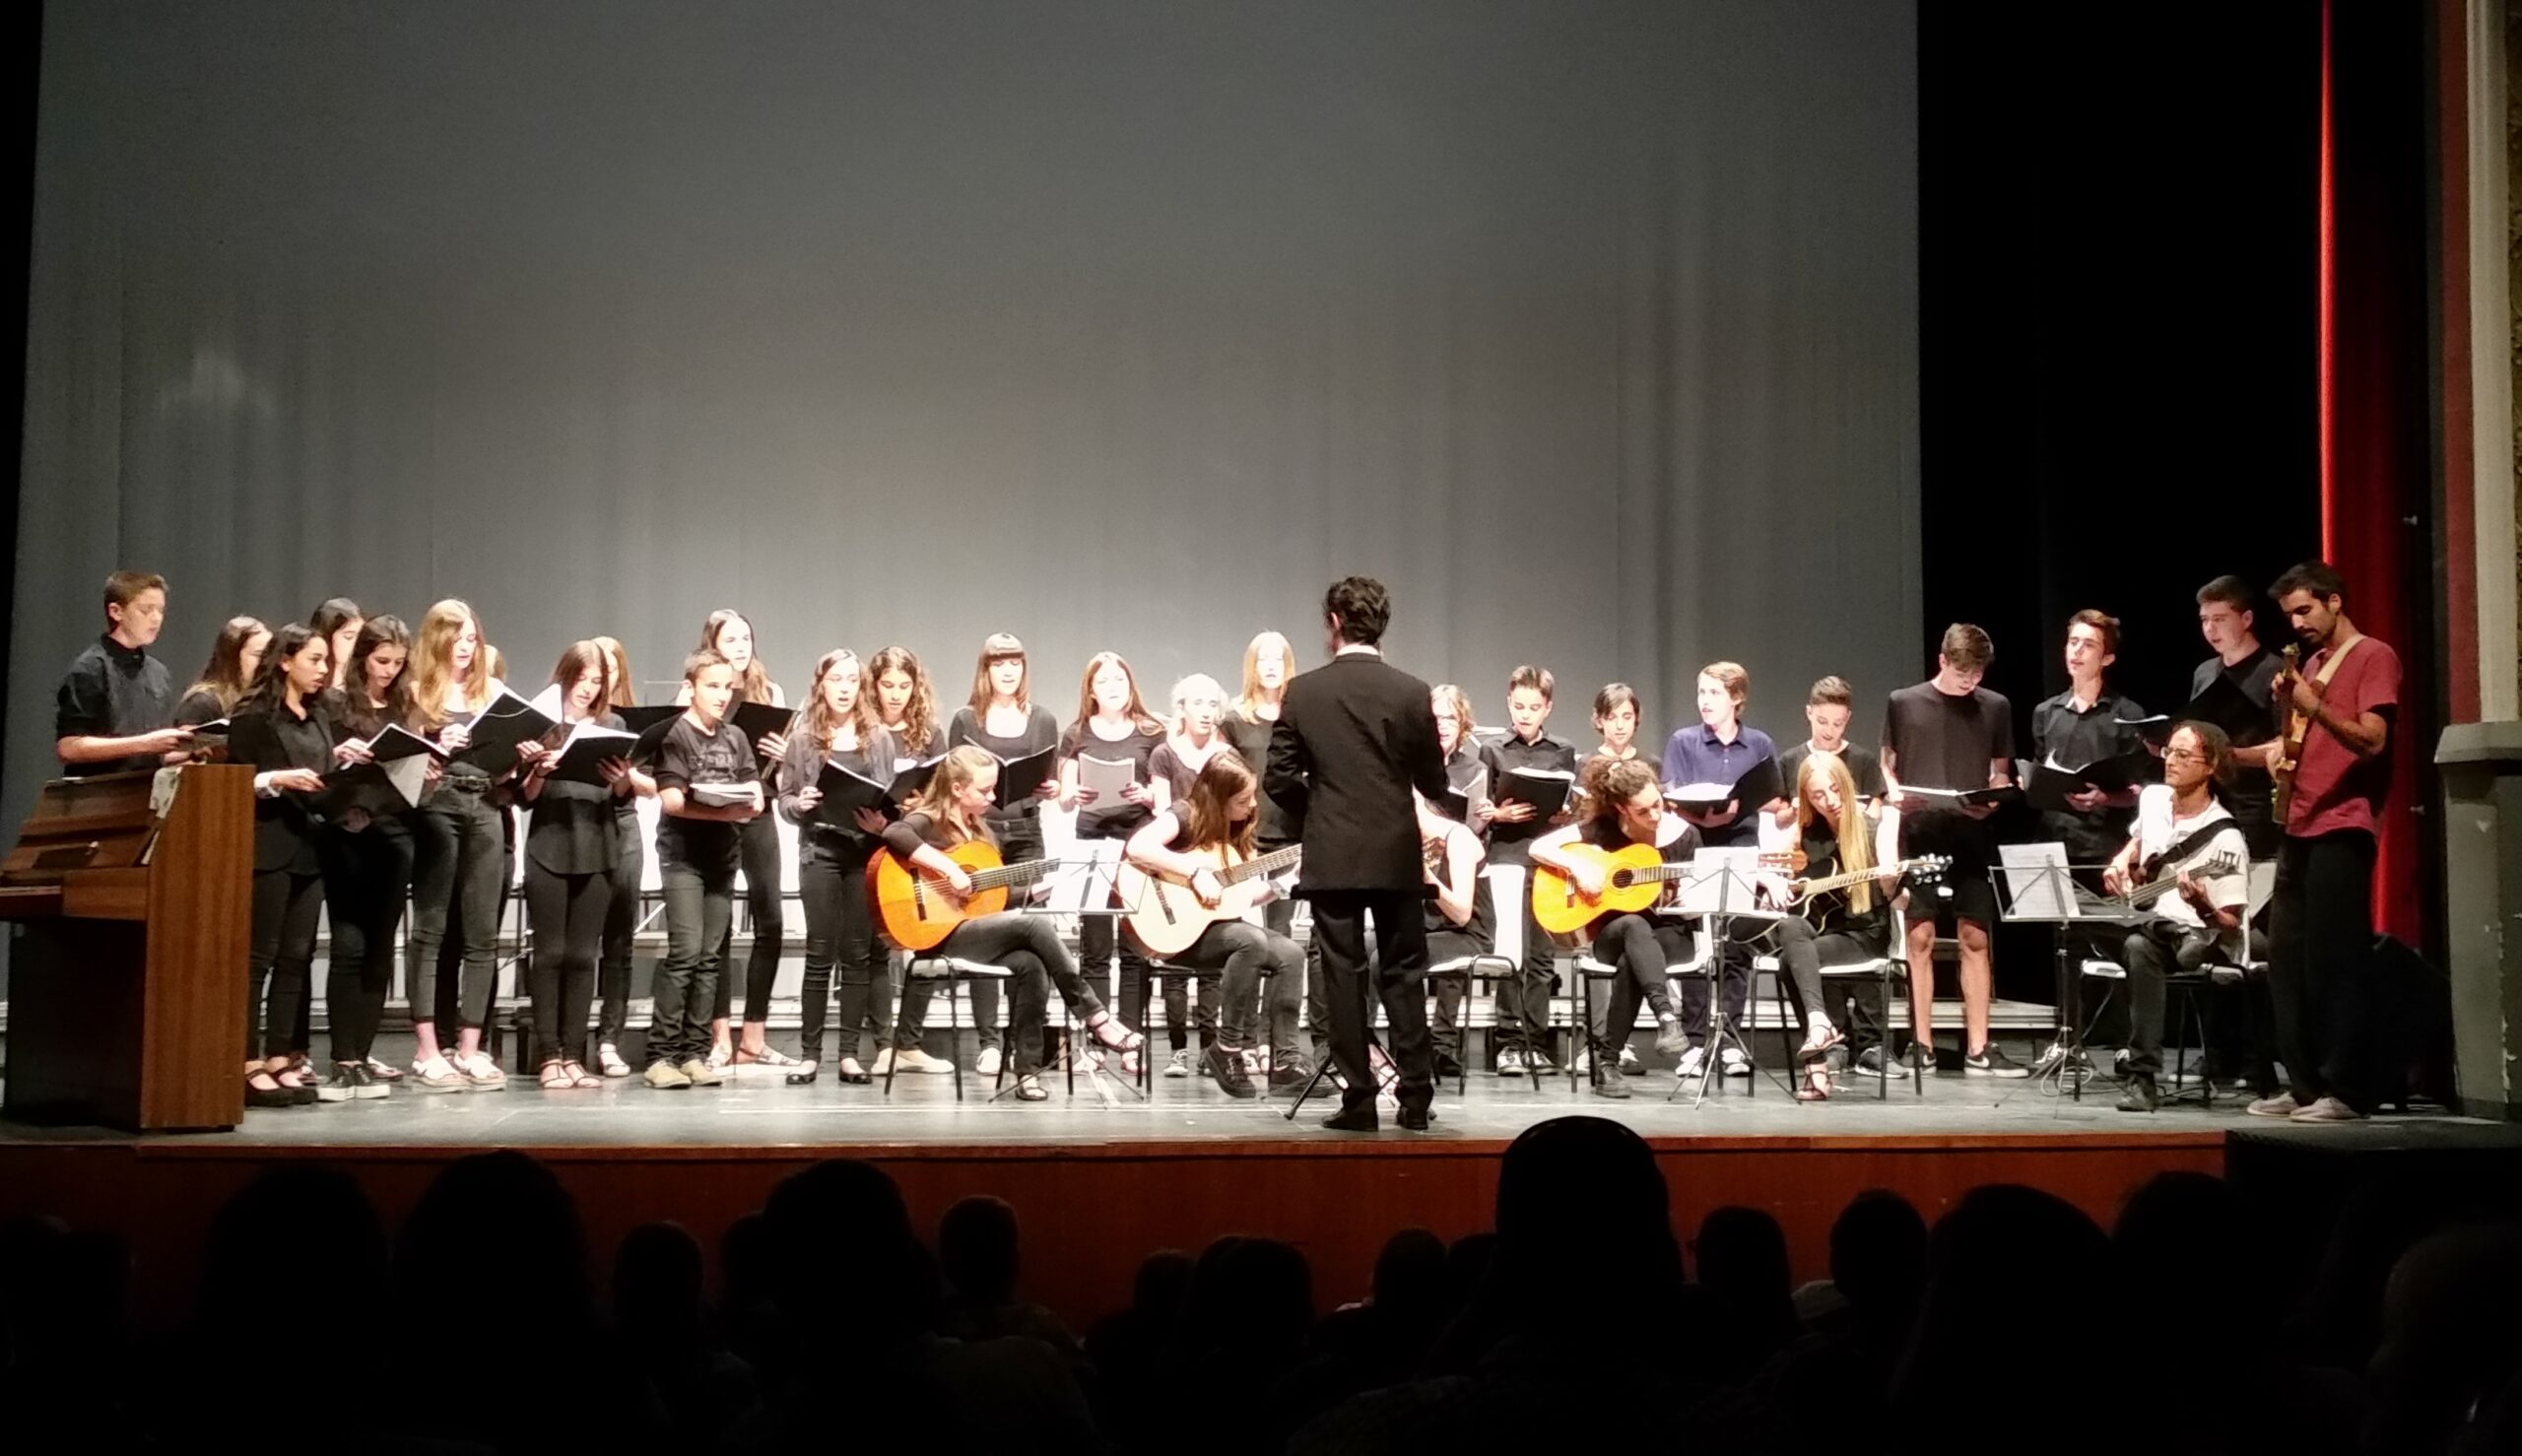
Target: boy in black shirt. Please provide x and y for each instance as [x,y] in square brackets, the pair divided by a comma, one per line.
[697,858]
[2226,610]
[1950,733]
[2083,725]
[1523,1002]
[1829,709]
[115,705]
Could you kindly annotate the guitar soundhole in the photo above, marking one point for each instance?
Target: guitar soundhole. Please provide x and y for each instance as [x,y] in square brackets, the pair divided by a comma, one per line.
[1623,879]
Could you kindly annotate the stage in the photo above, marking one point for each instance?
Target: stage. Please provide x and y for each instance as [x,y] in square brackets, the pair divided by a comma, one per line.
[1103,1183]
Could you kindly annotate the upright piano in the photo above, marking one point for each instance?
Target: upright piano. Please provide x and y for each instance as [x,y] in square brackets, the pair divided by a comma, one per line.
[131,897]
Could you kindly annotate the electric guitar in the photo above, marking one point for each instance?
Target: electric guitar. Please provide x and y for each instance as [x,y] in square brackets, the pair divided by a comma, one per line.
[1168,917]
[2280,772]
[1634,877]
[1807,896]
[917,909]
[2166,879]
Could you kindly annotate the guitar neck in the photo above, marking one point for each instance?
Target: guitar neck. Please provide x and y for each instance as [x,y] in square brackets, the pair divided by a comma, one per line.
[1267,864]
[1012,875]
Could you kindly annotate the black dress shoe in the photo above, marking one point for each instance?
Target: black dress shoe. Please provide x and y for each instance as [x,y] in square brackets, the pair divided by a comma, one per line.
[1415,1119]
[1356,1118]
[2140,1096]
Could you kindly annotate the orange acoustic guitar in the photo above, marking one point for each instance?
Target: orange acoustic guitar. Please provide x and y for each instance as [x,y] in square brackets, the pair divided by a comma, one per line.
[1634,877]
[917,909]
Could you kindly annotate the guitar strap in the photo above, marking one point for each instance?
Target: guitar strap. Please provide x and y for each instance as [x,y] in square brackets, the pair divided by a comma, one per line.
[2298,725]
[2187,844]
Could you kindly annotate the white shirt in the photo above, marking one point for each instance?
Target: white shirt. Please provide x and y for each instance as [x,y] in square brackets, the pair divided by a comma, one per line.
[2158,829]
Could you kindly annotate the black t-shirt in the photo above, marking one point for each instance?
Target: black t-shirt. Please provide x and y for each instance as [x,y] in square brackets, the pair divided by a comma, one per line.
[688,758]
[1112,819]
[199,707]
[1828,910]
[1864,765]
[2246,793]
[1546,754]
[1607,834]
[1942,742]
[114,691]
[1251,743]
[904,835]
[1167,764]
[1482,927]
[1041,730]
[2064,735]
[572,828]
[276,739]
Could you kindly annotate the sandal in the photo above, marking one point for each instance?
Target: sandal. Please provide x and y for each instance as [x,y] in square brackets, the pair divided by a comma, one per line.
[769,1056]
[608,1058]
[1816,1085]
[803,1075]
[1813,1051]
[553,1077]
[850,1072]
[1108,1032]
[1029,1088]
[579,1076]
[272,1096]
[721,1056]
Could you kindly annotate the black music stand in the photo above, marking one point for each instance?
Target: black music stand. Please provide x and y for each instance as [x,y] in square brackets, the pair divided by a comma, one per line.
[2035,885]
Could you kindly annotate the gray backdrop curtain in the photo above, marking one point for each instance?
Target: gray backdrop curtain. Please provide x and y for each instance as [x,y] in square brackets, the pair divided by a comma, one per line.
[1590,327]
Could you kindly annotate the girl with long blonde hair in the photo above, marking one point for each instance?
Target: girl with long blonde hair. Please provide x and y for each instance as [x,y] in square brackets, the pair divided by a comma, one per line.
[460,864]
[1840,927]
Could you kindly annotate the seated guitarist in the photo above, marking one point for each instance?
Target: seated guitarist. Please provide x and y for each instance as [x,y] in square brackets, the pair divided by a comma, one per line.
[1213,828]
[1837,834]
[1462,920]
[954,810]
[1625,808]
[2181,823]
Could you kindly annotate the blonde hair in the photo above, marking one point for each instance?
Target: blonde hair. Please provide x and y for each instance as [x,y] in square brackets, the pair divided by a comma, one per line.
[1135,710]
[817,719]
[1458,708]
[1855,852]
[754,684]
[1192,689]
[432,663]
[960,768]
[919,713]
[1249,698]
[995,647]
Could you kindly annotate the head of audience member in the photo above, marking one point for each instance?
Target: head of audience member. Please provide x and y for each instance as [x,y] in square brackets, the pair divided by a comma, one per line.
[2449,1341]
[499,1221]
[1744,1272]
[1530,692]
[658,1295]
[890,1279]
[1628,1260]
[1879,1257]
[2227,616]
[976,1251]
[1828,710]
[1977,1261]
[1963,659]
[1356,611]
[1409,1277]
[1252,1296]
[2315,600]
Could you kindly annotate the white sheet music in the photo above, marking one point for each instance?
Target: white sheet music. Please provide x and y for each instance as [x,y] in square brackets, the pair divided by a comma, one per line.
[1724,881]
[2038,887]
[1084,880]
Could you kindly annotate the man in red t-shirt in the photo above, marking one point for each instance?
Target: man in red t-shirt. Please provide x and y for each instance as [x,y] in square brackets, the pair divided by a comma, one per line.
[2342,698]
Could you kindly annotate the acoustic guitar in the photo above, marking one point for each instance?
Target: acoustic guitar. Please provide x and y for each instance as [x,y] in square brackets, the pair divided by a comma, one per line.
[917,909]
[1168,917]
[1634,877]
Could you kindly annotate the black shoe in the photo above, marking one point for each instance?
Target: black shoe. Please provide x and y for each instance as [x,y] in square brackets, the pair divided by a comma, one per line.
[1991,1061]
[2140,1096]
[1288,1080]
[1414,1119]
[805,1073]
[343,1083]
[1920,1057]
[269,1096]
[1609,1084]
[1226,1069]
[1357,1117]
[1869,1062]
[1449,1068]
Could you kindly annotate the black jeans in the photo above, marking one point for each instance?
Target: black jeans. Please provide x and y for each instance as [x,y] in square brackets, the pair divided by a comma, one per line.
[840,931]
[287,906]
[700,904]
[2148,951]
[1450,992]
[757,843]
[1030,953]
[1524,999]
[2320,963]
[1734,966]
[1022,842]
[1250,961]
[459,871]
[367,878]
[621,925]
[1280,918]
[1640,947]
[567,913]
[1400,965]
[1854,1003]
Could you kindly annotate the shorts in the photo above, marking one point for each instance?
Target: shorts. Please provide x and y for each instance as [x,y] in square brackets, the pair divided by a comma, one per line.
[1966,892]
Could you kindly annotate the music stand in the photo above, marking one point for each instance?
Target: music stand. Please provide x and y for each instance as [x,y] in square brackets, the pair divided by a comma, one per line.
[2035,885]
[1720,888]
[1086,882]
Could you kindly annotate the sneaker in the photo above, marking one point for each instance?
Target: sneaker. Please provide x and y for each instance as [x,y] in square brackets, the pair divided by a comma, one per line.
[382,1072]
[481,1072]
[1585,1061]
[665,1077]
[1870,1061]
[1537,1063]
[608,1060]
[1510,1062]
[1920,1057]
[699,1073]
[1694,1061]
[986,1064]
[438,1075]
[2281,1105]
[1991,1061]
[342,1084]
[1613,1088]
[884,1064]
[1226,1069]
[1178,1064]
[2141,1096]
[910,1059]
[2328,1109]
[1288,1080]
[1735,1064]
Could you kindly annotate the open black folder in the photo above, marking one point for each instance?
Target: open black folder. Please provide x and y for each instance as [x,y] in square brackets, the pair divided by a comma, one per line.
[2223,703]
[2047,785]
[1546,789]
[588,747]
[1018,778]
[1960,798]
[381,787]
[846,791]
[648,723]
[1759,785]
[491,738]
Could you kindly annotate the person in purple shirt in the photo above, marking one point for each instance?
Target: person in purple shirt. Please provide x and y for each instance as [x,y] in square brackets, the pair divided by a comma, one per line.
[1719,749]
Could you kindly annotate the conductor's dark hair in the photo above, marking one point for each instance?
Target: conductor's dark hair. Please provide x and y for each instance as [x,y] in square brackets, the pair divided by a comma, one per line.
[1364,607]
[2316,578]
[2230,590]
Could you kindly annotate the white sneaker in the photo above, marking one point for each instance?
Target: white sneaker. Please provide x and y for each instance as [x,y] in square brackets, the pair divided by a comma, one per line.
[2281,1105]
[1586,1062]
[1693,1062]
[883,1066]
[910,1059]
[986,1065]
[1629,1065]
[1735,1064]
[1178,1064]
[609,1060]
[1510,1063]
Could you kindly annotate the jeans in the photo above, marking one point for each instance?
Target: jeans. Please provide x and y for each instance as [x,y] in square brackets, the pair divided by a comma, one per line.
[1451,991]
[840,930]
[1524,999]
[1022,841]
[2320,967]
[757,844]
[1733,968]
[279,954]
[567,913]
[459,870]
[621,924]
[2148,952]
[701,902]
[1251,959]
[1029,951]
[1639,948]
[1854,1003]
[367,878]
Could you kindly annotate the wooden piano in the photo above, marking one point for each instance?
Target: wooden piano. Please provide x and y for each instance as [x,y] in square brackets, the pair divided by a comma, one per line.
[127,961]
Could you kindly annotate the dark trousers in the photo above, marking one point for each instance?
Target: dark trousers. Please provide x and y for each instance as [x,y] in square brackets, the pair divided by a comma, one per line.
[459,873]
[2148,951]
[1030,951]
[1280,918]
[567,913]
[287,906]
[2320,967]
[1022,842]
[621,924]
[757,843]
[841,932]
[1251,962]
[1639,948]
[1340,919]
[367,878]
[701,902]
[1854,1003]
[1734,969]
[1524,999]
[1449,992]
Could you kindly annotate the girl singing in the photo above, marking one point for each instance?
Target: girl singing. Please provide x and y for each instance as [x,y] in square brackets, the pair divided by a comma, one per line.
[282,733]
[838,726]
[1003,719]
[234,656]
[1113,725]
[729,634]
[460,864]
